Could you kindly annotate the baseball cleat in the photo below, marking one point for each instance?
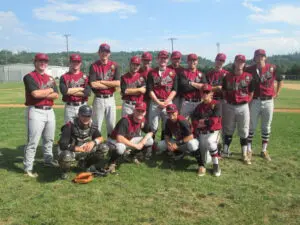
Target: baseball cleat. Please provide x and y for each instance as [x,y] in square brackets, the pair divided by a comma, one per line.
[265,155]
[31,174]
[201,171]
[225,154]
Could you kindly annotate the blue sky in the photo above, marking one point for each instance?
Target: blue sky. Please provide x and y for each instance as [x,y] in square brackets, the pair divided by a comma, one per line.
[240,26]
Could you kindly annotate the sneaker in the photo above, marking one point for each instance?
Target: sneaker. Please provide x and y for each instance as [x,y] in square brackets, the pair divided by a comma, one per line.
[64,176]
[31,174]
[52,163]
[245,158]
[112,168]
[216,170]
[265,155]
[201,171]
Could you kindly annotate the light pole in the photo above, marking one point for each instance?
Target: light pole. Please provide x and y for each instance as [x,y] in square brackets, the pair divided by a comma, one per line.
[172,39]
[67,42]
[218,47]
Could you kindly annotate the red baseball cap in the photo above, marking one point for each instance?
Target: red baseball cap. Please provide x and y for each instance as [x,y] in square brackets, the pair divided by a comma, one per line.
[141,106]
[259,52]
[176,55]
[221,57]
[163,54]
[104,48]
[135,60]
[192,57]
[41,56]
[75,57]
[207,87]
[147,56]
[240,57]
[171,108]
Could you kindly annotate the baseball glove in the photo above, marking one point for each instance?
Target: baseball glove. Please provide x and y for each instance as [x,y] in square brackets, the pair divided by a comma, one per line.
[83,178]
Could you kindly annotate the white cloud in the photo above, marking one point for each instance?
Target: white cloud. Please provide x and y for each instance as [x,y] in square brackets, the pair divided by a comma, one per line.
[269,31]
[280,13]
[60,11]
[249,5]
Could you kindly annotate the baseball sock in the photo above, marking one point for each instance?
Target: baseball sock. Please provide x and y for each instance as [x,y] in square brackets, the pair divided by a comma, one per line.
[243,142]
[227,142]
[264,146]
[250,138]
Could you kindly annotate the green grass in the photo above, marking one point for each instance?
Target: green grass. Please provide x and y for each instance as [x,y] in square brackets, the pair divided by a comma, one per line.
[13,93]
[263,193]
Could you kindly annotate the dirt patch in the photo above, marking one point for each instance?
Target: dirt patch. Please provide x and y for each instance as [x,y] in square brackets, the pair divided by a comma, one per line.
[22,106]
[120,107]
[292,86]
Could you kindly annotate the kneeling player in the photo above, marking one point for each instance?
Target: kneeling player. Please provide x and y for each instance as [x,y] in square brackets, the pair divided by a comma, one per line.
[178,139]
[206,121]
[81,141]
[127,136]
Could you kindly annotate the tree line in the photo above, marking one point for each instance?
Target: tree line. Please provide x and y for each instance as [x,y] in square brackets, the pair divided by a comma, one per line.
[286,64]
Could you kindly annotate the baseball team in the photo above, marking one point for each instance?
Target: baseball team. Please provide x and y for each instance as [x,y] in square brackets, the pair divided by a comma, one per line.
[198,112]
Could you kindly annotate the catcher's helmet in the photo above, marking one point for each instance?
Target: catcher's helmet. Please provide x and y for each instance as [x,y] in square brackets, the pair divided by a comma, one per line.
[85,110]
[66,156]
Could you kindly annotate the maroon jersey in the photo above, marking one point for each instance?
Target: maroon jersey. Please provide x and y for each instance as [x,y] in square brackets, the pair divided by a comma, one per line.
[215,78]
[128,128]
[178,70]
[144,72]
[132,81]
[264,80]
[35,81]
[108,72]
[70,80]
[211,114]
[178,130]
[162,85]
[238,87]
[187,91]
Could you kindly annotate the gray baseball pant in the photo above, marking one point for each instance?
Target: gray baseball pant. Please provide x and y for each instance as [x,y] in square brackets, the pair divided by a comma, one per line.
[39,123]
[188,108]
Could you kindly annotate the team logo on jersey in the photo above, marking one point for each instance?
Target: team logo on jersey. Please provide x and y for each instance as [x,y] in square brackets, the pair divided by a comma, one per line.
[271,69]
[171,74]
[84,76]
[200,75]
[247,78]
[112,67]
[142,79]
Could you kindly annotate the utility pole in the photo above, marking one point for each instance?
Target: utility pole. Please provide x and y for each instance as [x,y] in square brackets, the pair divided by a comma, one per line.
[172,40]
[67,42]
[218,47]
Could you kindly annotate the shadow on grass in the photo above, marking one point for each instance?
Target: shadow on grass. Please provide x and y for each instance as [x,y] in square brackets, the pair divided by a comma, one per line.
[11,159]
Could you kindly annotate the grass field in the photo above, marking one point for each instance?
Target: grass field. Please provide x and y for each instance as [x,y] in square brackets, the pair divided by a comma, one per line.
[263,193]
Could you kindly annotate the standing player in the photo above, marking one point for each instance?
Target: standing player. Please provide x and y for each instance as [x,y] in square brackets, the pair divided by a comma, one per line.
[104,77]
[162,87]
[175,64]
[128,135]
[133,87]
[206,121]
[146,64]
[40,92]
[191,80]
[74,88]
[262,104]
[215,79]
[238,90]
[178,139]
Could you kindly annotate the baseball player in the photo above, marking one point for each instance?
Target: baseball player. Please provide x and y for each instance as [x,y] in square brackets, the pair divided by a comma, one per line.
[80,140]
[40,92]
[133,87]
[146,64]
[215,79]
[162,87]
[104,78]
[74,88]
[206,121]
[191,80]
[262,105]
[175,64]
[238,88]
[178,139]
[127,136]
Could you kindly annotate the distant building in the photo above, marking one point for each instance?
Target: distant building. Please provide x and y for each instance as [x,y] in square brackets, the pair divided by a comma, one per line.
[15,72]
